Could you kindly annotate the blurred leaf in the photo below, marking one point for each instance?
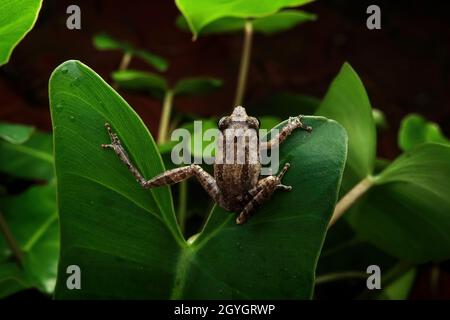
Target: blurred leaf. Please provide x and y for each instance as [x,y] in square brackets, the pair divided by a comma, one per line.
[12,278]
[152,59]
[17,18]
[407,212]
[33,220]
[282,21]
[284,105]
[196,86]
[278,22]
[400,288]
[381,164]
[346,102]
[201,13]
[15,133]
[379,119]
[106,42]
[415,130]
[141,81]
[30,160]
[114,229]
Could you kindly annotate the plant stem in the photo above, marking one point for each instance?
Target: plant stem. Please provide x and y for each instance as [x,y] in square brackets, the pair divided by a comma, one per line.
[182,204]
[350,198]
[125,62]
[336,276]
[245,63]
[11,241]
[165,117]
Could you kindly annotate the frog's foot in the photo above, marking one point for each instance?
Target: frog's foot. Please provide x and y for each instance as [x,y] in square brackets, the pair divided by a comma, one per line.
[297,123]
[115,142]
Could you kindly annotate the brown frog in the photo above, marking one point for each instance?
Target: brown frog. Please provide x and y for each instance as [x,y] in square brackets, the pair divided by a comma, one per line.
[236,185]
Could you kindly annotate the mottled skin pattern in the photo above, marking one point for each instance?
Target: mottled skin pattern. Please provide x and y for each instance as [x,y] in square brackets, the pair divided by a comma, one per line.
[236,186]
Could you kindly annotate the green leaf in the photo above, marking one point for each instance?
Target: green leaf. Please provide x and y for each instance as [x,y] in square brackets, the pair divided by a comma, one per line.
[400,288]
[30,160]
[415,130]
[196,86]
[33,221]
[114,229]
[152,59]
[282,21]
[407,212]
[141,81]
[12,279]
[346,102]
[201,13]
[278,22]
[105,42]
[17,18]
[15,133]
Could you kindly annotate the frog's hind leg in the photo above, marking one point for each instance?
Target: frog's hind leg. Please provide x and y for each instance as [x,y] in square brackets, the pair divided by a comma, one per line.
[261,193]
[166,178]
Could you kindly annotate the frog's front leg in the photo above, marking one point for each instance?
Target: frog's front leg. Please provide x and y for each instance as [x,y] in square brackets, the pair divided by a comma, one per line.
[293,123]
[166,178]
[262,192]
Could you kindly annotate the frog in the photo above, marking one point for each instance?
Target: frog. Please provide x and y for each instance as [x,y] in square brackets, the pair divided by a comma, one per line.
[236,186]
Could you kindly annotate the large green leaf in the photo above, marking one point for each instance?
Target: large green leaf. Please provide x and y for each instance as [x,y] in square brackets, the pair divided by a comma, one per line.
[30,160]
[17,18]
[278,22]
[33,221]
[415,130]
[106,42]
[125,239]
[15,133]
[201,13]
[407,212]
[346,102]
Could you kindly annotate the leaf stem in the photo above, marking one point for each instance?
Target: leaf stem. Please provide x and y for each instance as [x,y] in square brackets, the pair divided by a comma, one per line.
[245,63]
[336,276]
[350,198]
[11,241]
[165,117]
[182,204]
[125,62]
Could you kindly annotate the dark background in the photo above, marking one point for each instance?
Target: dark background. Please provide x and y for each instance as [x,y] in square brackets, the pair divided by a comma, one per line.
[405,66]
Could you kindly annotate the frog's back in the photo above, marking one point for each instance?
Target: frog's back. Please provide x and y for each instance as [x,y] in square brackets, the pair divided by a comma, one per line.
[235,180]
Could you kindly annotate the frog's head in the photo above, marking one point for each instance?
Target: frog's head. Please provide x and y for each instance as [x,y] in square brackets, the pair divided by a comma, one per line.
[238,119]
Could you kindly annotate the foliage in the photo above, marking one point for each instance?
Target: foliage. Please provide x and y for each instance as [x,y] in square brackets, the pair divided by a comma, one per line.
[17,18]
[228,16]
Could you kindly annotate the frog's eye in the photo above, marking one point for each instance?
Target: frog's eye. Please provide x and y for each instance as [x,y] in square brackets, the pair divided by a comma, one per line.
[253,123]
[223,123]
